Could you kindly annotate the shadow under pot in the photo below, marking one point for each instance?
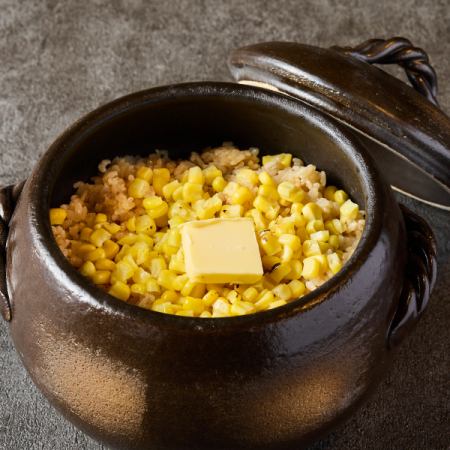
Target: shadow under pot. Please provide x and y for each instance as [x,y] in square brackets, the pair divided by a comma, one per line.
[134,378]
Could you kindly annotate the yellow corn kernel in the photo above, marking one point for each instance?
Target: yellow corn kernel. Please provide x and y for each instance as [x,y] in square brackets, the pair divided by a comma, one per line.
[334,226]
[113,228]
[221,308]
[258,219]
[105,264]
[233,296]
[195,175]
[138,188]
[145,224]
[152,286]
[87,269]
[287,254]
[283,159]
[349,210]
[320,236]
[280,272]
[290,193]
[170,296]
[169,189]
[82,248]
[210,297]
[231,211]
[268,261]
[312,211]
[273,211]
[99,237]
[276,304]
[261,204]
[140,252]
[161,177]
[282,291]
[311,268]
[192,192]
[219,184]
[264,301]
[86,233]
[247,177]
[296,270]
[250,294]
[297,219]
[145,173]
[178,193]
[210,173]
[230,188]
[120,290]
[241,195]
[179,282]
[155,207]
[291,240]
[198,290]
[334,262]
[177,264]
[101,218]
[111,249]
[57,216]
[314,225]
[268,191]
[141,237]
[333,242]
[157,265]
[311,248]
[187,313]
[101,277]
[237,309]
[131,224]
[265,178]
[166,278]
[205,314]
[329,192]
[211,206]
[193,304]
[340,197]
[141,276]
[297,288]
[138,288]
[96,254]
[124,271]
[128,239]
[269,243]
[187,288]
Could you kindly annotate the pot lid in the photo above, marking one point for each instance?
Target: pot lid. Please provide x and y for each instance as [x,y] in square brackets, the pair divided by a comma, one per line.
[403,127]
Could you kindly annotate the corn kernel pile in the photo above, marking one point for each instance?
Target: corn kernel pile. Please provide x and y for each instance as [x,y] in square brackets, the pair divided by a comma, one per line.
[122,230]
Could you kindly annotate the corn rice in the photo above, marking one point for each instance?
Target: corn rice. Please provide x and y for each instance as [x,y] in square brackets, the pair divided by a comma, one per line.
[121,229]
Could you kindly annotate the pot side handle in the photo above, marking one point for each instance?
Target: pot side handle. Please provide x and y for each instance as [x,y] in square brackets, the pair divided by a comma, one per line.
[420,276]
[398,50]
[8,199]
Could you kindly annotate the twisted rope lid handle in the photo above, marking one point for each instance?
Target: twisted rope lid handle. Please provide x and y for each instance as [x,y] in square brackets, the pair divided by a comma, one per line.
[401,51]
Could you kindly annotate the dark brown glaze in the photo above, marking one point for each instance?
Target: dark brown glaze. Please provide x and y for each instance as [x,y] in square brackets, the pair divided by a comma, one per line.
[420,276]
[399,51]
[134,378]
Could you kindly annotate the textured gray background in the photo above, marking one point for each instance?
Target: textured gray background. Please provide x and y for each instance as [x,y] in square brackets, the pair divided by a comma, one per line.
[58,60]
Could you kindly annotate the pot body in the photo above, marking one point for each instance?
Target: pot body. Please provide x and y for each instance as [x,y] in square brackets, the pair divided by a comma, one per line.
[138,379]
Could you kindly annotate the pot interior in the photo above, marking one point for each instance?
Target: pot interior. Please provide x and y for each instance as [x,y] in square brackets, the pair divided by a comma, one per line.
[191,117]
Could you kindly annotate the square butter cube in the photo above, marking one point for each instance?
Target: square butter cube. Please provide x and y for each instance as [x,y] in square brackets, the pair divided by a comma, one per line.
[221,250]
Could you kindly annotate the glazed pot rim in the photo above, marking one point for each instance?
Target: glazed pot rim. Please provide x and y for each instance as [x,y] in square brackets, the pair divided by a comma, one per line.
[65,273]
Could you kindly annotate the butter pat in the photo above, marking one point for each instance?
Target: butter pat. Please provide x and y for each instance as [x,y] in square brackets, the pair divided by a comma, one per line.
[221,250]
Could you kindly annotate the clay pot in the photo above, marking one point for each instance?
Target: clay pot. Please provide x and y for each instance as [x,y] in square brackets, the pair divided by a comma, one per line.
[134,378]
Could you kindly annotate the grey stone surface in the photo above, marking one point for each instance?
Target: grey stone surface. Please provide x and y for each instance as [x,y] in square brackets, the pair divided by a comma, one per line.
[60,59]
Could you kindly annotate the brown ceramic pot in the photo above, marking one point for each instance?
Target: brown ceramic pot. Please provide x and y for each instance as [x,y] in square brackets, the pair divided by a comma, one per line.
[133,378]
